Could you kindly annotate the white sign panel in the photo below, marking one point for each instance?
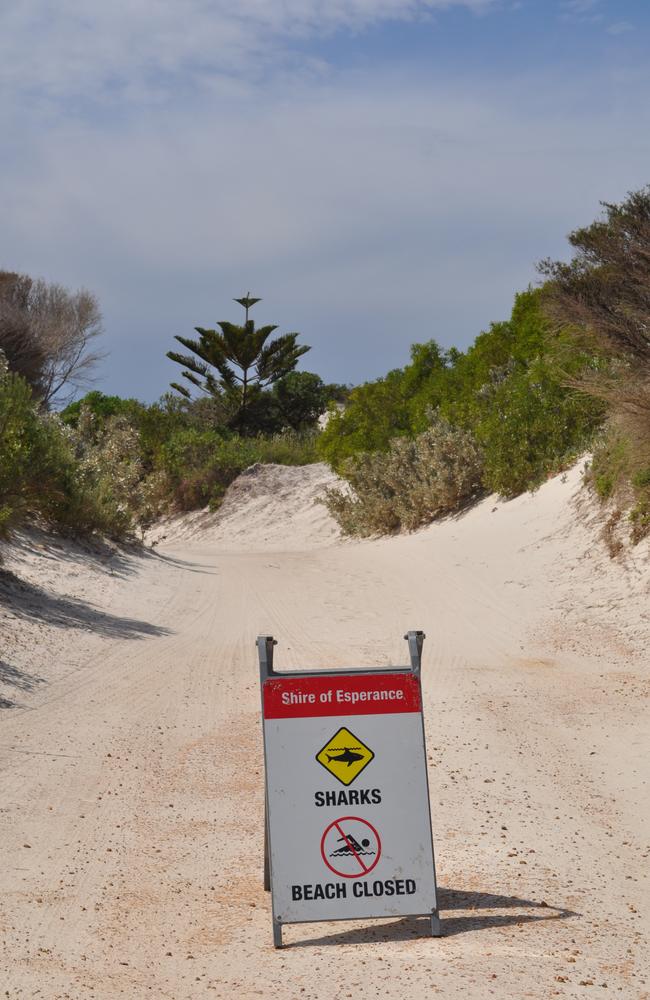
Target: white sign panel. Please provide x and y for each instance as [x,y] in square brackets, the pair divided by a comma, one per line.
[347,796]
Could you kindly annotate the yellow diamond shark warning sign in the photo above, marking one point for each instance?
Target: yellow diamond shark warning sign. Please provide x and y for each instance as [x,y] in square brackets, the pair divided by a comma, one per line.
[345,756]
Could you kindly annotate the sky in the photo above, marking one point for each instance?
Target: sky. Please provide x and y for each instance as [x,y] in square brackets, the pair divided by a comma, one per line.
[379,172]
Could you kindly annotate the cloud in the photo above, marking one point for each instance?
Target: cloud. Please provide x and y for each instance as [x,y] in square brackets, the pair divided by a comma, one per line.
[620,28]
[367,216]
[588,11]
[581,6]
[144,49]
[171,156]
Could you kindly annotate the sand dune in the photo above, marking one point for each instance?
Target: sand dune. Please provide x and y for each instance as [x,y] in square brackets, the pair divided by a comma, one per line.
[267,507]
[131,814]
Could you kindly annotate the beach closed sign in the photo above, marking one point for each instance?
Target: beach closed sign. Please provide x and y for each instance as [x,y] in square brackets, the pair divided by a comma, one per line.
[348,818]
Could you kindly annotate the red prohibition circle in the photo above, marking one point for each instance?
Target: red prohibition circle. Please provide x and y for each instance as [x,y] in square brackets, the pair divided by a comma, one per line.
[365,869]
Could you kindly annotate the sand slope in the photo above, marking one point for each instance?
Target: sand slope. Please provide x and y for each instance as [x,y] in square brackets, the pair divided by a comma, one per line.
[269,507]
[131,813]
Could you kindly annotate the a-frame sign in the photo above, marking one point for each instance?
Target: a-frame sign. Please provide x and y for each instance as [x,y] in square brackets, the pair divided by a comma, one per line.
[348,821]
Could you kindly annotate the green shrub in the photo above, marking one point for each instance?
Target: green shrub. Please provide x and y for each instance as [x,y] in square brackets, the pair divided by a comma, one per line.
[110,471]
[110,465]
[375,413]
[25,452]
[416,481]
[393,406]
[620,474]
[609,464]
[641,479]
[36,461]
[508,390]
[529,426]
[288,448]
[200,465]
[154,424]
[42,476]
[101,406]
[640,518]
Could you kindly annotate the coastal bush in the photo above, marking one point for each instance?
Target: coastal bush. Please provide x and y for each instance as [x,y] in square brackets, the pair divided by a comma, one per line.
[529,426]
[198,466]
[171,455]
[288,448]
[620,469]
[40,474]
[620,474]
[600,299]
[23,449]
[110,472]
[415,481]
[508,391]
[394,406]
[154,423]
[110,465]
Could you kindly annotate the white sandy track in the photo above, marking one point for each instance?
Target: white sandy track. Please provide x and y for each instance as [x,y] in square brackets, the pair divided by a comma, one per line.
[131,807]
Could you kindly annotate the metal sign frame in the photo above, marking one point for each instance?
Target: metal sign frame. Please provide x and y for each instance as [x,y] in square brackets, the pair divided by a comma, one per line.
[265,647]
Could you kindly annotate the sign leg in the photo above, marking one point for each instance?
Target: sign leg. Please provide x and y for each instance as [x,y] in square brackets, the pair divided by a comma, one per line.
[265,644]
[415,639]
[277,933]
[436,929]
[267,867]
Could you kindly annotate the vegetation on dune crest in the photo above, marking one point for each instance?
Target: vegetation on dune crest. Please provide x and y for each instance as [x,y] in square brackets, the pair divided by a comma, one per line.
[506,394]
[602,296]
[110,465]
[569,370]
[415,481]
[45,472]
[27,461]
[197,466]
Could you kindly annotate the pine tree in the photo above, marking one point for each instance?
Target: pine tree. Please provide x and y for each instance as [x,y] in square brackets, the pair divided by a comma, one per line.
[238,361]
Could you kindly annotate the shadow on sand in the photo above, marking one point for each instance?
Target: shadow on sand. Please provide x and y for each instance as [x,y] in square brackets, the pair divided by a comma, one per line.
[18,679]
[408,928]
[100,555]
[31,603]
[95,553]
[192,567]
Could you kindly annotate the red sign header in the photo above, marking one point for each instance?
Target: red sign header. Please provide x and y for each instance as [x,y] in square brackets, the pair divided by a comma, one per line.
[349,694]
